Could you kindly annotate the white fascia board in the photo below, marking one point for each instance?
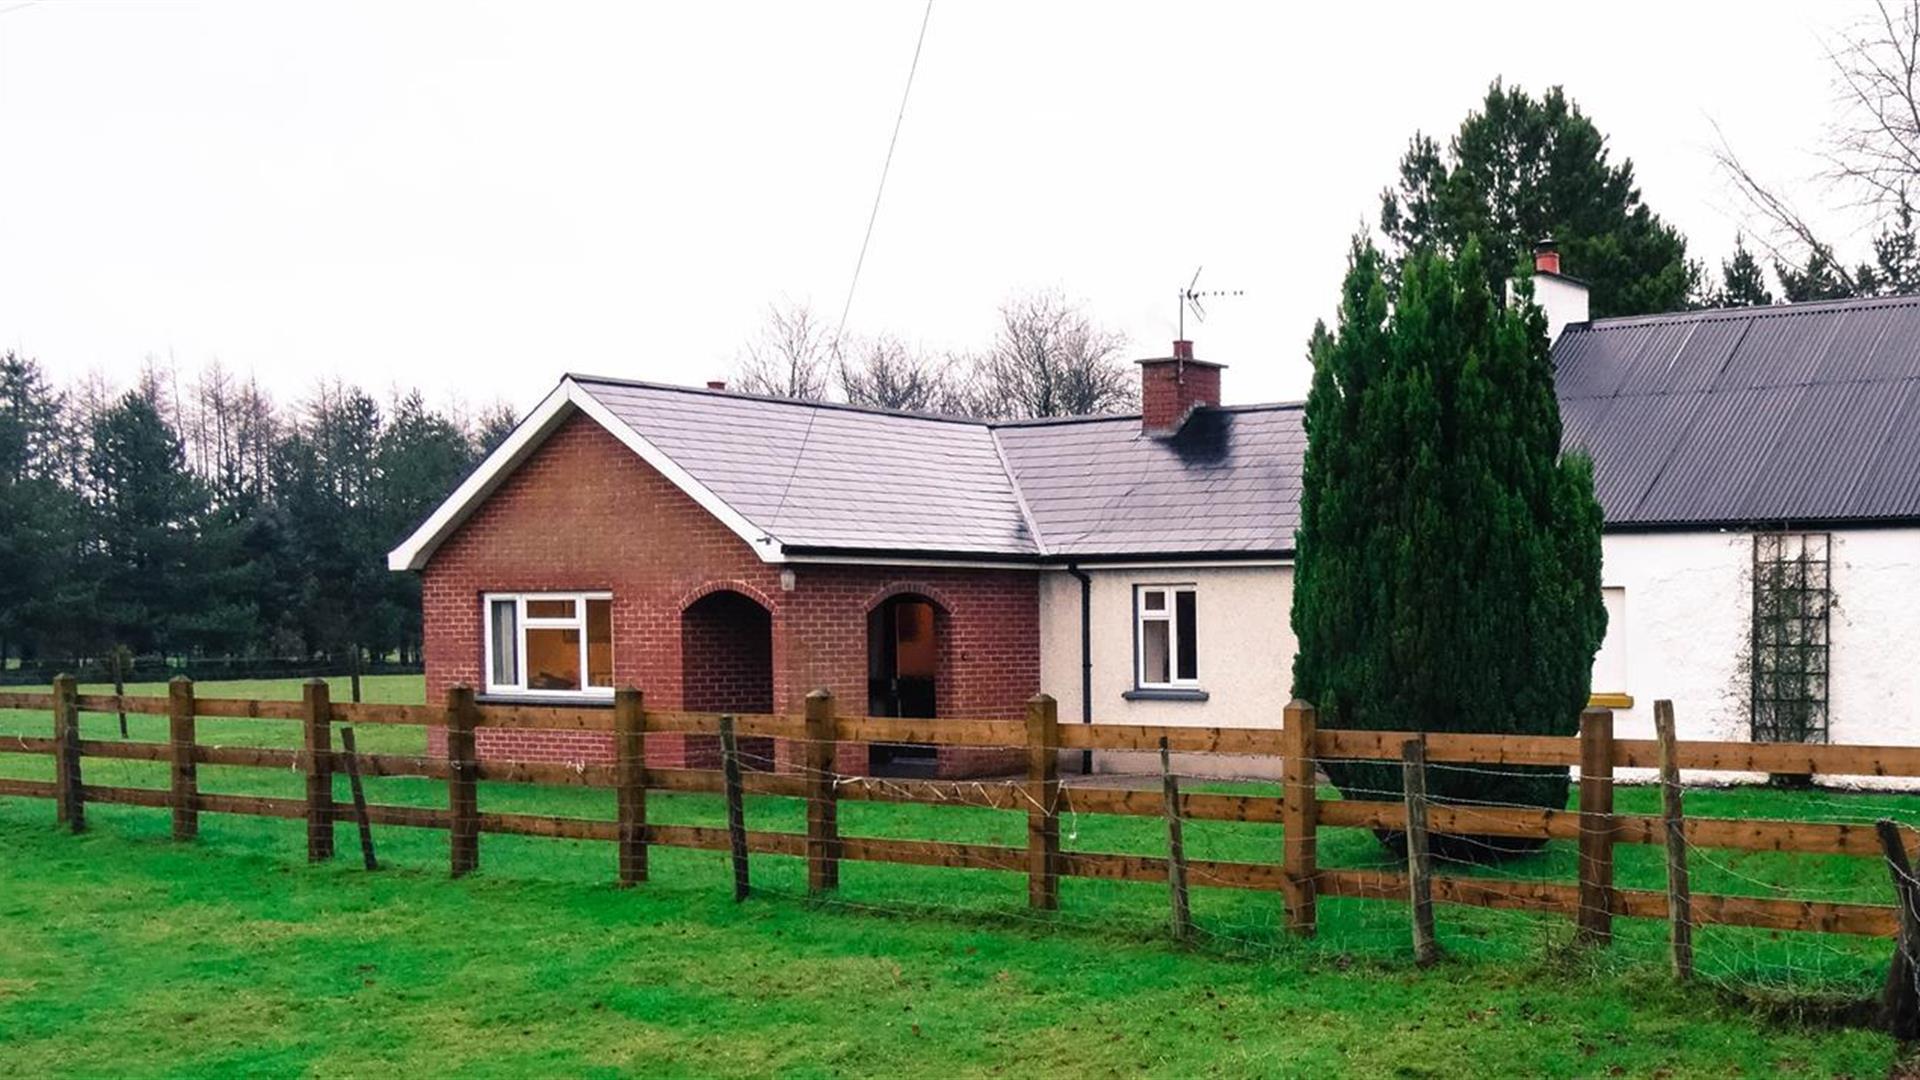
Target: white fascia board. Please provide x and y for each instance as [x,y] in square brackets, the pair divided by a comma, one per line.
[562,402]
[416,549]
[1180,564]
[985,562]
[765,546]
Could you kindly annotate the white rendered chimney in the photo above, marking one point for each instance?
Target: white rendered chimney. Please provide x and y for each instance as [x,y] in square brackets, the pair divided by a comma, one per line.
[1562,298]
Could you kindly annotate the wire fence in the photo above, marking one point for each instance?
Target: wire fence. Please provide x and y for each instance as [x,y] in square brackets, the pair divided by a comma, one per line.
[1227,840]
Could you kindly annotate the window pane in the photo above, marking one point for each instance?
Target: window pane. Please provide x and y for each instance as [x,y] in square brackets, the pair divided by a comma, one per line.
[599,643]
[553,659]
[1153,600]
[1153,651]
[1183,621]
[506,644]
[549,609]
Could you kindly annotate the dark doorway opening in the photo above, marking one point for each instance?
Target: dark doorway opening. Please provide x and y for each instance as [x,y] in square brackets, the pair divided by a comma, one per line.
[726,666]
[903,666]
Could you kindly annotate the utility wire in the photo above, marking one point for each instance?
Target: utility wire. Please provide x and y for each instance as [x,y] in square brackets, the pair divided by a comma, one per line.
[873,215]
[885,167]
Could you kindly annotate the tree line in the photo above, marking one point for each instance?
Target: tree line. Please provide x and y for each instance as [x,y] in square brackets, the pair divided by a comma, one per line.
[1048,357]
[201,518]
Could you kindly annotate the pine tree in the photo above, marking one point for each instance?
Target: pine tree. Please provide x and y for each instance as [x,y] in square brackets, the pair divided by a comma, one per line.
[1448,576]
[421,458]
[1742,281]
[41,526]
[148,569]
[1520,169]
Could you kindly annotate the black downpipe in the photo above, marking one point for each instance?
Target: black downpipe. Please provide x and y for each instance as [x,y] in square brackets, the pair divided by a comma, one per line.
[1086,658]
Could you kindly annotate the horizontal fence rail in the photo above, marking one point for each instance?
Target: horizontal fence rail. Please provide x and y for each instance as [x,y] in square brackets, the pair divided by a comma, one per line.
[1298,809]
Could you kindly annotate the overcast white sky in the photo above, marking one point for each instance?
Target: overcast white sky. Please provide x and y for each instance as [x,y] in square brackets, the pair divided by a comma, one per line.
[475,198]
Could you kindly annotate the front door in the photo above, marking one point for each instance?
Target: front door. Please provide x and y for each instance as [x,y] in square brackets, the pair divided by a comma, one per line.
[902,666]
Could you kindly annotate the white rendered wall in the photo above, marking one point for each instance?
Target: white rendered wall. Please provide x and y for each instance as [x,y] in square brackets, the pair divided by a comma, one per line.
[1687,598]
[1245,644]
[1689,606]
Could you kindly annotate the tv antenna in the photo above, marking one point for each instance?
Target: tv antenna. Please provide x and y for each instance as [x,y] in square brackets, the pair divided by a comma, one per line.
[1192,296]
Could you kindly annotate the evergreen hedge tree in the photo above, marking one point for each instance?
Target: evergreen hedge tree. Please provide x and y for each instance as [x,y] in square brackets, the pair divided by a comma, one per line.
[1448,571]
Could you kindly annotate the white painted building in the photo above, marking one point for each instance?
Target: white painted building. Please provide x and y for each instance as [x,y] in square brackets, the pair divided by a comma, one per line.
[1726,445]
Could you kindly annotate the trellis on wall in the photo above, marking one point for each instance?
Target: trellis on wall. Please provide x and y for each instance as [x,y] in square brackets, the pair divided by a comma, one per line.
[1792,593]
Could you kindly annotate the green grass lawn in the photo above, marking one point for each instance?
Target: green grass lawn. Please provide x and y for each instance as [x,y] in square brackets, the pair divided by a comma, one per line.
[122,952]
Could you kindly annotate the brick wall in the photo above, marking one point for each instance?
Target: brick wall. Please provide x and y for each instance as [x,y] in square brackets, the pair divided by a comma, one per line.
[585,513]
[1171,388]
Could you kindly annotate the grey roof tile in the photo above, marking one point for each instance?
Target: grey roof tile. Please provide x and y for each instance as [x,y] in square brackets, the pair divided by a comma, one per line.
[1805,413]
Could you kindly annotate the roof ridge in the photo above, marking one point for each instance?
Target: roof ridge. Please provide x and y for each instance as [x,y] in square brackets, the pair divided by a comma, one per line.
[1096,418]
[1019,493]
[1756,311]
[777,399]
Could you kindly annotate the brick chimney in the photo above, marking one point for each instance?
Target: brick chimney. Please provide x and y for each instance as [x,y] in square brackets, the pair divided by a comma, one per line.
[1546,256]
[1171,387]
[716,384]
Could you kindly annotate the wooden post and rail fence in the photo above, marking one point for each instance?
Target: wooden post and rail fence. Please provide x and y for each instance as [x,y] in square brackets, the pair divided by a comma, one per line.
[1593,901]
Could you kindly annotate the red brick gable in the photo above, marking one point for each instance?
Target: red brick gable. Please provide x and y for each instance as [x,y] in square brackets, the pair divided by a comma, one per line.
[584,512]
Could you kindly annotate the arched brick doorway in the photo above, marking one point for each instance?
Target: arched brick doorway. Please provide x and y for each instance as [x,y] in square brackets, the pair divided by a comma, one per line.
[903,676]
[726,666]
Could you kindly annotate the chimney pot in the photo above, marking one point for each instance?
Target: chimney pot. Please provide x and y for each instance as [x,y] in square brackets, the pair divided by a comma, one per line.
[1546,256]
[1182,350]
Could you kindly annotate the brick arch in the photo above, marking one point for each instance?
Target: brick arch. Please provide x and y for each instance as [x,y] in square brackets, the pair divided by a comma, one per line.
[744,588]
[908,588]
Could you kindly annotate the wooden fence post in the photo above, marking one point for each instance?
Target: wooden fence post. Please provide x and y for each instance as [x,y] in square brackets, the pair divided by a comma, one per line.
[1900,1001]
[184,774]
[463,775]
[120,686]
[358,792]
[1596,826]
[823,808]
[1299,816]
[318,716]
[1413,758]
[736,807]
[630,778]
[70,806]
[1043,802]
[1679,887]
[1176,848]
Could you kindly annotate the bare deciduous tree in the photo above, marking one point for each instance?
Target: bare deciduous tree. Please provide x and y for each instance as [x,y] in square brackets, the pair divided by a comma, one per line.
[1872,151]
[1049,358]
[792,356]
[884,373]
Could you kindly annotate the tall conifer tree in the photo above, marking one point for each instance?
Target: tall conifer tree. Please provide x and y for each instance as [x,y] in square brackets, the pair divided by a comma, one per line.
[1448,576]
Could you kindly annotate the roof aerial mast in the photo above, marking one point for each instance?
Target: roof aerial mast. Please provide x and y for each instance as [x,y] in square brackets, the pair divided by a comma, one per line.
[1191,297]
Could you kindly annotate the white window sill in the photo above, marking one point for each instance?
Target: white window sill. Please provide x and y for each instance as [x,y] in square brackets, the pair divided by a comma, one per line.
[514,697]
[1165,693]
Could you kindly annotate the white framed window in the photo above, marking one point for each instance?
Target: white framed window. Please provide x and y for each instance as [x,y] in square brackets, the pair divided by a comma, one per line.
[1166,640]
[549,643]
[1610,662]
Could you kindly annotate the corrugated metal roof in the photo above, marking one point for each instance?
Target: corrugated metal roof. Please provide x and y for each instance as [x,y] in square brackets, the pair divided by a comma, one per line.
[1803,412]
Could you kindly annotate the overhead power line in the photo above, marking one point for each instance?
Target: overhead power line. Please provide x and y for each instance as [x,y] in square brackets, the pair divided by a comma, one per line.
[885,167]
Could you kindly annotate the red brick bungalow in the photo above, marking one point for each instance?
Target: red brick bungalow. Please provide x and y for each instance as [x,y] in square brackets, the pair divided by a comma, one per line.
[729,553]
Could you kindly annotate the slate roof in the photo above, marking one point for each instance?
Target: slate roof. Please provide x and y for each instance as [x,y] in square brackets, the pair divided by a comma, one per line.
[1805,413]
[834,478]
[1229,482]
